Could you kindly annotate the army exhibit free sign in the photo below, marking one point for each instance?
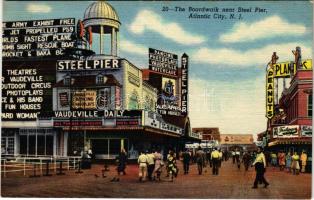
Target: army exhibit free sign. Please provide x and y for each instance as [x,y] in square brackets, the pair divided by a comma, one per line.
[38,38]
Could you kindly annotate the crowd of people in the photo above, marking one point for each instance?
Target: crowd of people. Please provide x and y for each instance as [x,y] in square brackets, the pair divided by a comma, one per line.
[293,162]
[153,163]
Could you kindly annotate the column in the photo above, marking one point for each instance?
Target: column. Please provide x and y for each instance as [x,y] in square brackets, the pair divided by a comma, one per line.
[113,42]
[65,144]
[101,39]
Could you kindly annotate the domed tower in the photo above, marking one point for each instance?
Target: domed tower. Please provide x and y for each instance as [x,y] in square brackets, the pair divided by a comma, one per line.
[103,19]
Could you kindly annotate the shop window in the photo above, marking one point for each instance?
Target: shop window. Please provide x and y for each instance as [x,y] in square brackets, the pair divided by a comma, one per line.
[40,144]
[310,105]
[23,144]
[100,146]
[114,146]
[49,145]
[7,145]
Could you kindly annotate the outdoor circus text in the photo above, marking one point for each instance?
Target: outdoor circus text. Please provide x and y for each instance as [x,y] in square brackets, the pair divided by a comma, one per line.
[69,65]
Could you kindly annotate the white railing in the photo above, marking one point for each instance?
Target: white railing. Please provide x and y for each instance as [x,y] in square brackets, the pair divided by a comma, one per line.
[24,164]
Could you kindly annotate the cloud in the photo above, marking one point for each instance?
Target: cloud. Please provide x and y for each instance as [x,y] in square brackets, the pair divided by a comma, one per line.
[38,8]
[131,47]
[251,57]
[147,20]
[237,107]
[269,27]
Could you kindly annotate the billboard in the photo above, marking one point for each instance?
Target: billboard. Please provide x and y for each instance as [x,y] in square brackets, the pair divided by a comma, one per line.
[184,84]
[285,69]
[286,131]
[84,99]
[163,62]
[306,131]
[236,139]
[167,102]
[37,38]
[270,93]
[27,89]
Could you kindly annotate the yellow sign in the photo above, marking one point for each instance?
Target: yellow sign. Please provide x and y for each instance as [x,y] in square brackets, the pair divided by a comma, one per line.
[306,65]
[284,69]
[84,99]
[270,93]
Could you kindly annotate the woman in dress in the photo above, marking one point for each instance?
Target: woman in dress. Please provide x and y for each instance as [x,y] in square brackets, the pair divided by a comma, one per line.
[171,166]
[288,161]
[281,160]
[295,166]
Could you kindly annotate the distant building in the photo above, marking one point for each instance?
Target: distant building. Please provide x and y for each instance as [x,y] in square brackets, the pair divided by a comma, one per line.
[208,133]
[241,141]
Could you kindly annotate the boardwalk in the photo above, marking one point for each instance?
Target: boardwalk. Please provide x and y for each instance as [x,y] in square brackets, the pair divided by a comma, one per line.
[230,183]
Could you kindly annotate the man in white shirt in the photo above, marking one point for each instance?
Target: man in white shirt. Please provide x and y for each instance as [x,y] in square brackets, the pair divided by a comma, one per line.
[142,161]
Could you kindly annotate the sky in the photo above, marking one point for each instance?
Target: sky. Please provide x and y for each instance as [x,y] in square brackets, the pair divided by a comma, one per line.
[227,56]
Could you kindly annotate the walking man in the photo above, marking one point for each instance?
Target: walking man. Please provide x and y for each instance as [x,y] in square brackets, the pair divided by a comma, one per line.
[151,165]
[200,159]
[260,167]
[215,161]
[142,161]
[186,161]
[237,157]
[246,160]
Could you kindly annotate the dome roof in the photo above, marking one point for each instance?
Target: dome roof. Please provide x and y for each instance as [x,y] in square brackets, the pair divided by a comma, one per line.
[101,9]
[101,13]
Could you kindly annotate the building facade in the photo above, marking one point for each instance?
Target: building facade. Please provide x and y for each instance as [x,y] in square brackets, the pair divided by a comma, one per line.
[85,99]
[291,127]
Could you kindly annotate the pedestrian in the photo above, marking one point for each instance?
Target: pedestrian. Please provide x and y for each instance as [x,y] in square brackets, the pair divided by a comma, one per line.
[288,161]
[150,164]
[303,161]
[233,156]
[281,160]
[237,157]
[246,160]
[186,155]
[260,168]
[122,161]
[200,158]
[220,158]
[158,165]
[215,160]
[121,165]
[171,166]
[273,159]
[142,161]
[295,166]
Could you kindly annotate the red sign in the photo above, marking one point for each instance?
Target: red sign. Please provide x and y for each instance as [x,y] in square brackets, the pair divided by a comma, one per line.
[127,122]
[77,123]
